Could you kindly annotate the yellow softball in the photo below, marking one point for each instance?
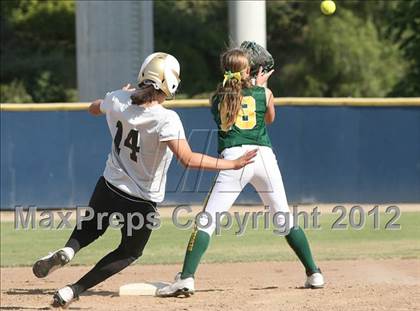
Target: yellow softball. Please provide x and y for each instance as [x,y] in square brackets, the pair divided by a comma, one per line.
[328,7]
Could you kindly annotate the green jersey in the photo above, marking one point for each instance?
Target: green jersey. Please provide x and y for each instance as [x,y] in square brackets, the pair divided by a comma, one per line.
[249,127]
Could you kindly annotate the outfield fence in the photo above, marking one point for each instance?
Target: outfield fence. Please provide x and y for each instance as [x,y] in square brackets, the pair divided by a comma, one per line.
[329,150]
[197,103]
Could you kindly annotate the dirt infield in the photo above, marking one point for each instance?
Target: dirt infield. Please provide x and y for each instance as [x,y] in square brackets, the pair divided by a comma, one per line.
[351,285]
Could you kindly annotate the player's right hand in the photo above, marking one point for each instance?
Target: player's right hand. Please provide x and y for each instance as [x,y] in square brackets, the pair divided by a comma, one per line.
[128,87]
[246,159]
[262,77]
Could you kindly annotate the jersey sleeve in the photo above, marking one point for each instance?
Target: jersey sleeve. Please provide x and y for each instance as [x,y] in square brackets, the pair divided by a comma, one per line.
[171,128]
[106,103]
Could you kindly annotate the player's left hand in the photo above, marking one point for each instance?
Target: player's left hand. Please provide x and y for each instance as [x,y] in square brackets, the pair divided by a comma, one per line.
[95,107]
[262,77]
[245,159]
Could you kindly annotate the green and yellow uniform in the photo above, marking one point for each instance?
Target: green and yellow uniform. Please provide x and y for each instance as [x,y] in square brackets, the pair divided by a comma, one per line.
[249,127]
[263,174]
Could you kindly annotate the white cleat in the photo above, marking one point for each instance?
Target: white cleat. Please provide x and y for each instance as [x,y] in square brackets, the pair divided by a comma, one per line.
[181,287]
[63,297]
[45,265]
[315,280]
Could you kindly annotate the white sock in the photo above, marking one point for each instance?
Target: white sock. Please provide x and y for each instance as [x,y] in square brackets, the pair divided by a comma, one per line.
[69,252]
[66,293]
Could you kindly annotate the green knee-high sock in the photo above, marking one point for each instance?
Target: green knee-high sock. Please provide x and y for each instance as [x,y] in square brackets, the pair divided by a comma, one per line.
[197,245]
[298,242]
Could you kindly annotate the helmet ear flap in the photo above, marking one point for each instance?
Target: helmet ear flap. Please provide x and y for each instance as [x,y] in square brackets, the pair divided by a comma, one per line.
[171,75]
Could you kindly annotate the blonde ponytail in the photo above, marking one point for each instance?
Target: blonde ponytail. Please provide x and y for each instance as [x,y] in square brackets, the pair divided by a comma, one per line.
[234,63]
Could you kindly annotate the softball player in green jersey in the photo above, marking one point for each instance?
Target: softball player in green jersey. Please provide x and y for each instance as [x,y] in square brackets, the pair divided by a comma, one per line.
[241,112]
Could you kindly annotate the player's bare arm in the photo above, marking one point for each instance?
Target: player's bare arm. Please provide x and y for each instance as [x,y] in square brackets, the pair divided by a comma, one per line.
[261,80]
[270,114]
[190,159]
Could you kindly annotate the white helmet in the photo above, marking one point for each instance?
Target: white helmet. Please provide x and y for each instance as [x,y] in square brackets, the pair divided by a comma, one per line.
[162,71]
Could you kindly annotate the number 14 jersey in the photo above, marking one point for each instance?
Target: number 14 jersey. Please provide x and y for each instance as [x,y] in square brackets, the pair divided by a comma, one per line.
[139,157]
[249,127]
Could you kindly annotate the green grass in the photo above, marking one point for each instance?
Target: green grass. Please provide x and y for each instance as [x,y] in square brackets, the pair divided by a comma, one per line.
[167,245]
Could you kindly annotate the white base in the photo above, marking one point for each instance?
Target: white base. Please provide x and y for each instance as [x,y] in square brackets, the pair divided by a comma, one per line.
[141,289]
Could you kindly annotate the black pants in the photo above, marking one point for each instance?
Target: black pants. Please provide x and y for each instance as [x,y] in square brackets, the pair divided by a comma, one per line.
[107,199]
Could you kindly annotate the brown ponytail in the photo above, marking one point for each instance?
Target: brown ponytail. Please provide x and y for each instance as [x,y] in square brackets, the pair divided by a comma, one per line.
[146,93]
[233,61]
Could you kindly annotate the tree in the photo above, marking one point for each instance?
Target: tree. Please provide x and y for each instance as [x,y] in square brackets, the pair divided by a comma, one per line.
[348,54]
[38,47]
[404,29]
[377,11]
[286,22]
[14,92]
[343,57]
[196,32]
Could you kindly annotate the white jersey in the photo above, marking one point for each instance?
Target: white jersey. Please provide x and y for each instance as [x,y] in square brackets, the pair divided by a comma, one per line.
[139,158]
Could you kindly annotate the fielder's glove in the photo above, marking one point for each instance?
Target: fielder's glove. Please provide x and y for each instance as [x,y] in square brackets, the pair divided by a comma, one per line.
[258,56]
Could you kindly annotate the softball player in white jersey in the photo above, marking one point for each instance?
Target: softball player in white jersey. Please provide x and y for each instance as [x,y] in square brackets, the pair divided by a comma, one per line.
[241,112]
[144,137]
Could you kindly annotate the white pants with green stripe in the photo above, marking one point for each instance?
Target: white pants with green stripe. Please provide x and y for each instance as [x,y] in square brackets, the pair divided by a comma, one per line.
[264,175]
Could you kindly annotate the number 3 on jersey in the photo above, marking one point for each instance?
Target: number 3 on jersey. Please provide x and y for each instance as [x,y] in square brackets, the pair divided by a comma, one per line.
[130,141]
[247,118]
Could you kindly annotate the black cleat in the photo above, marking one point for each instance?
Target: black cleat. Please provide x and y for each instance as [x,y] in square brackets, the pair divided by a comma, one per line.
[49,263]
